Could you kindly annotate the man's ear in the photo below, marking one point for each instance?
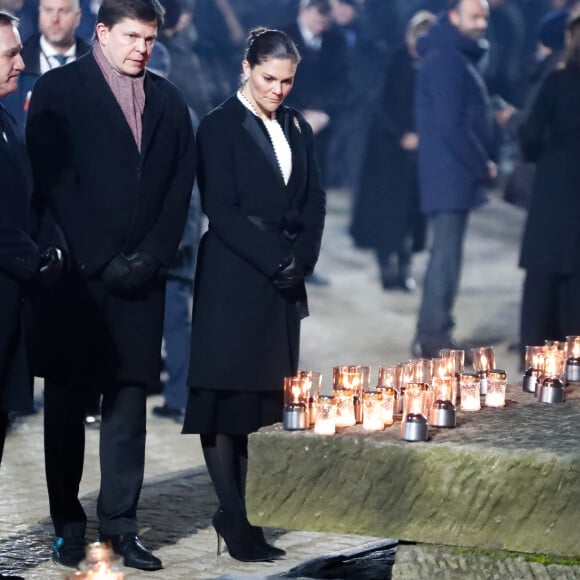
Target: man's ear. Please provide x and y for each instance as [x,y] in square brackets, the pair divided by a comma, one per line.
[453,15]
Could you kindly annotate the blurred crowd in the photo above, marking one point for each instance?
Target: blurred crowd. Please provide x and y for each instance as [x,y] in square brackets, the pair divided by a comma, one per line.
[204,40]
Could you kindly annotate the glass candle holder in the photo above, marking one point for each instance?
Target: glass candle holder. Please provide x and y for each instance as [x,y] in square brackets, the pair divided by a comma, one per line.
[456,355]
[483,358]
[325,423]
[496,386]
[101,562]
[344,408]
[483,362]
[389,396]
[414,423]
[373,416]
[444,388]
[573,359]
[387,376]
[423,370]
[534,368]
[295,415]
[469,392]
[311,385]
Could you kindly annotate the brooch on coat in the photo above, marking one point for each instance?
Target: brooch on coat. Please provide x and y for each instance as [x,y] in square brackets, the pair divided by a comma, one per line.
[297,125]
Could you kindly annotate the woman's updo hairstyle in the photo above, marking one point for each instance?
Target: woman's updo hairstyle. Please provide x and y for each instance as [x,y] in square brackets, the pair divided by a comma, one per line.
[265,44]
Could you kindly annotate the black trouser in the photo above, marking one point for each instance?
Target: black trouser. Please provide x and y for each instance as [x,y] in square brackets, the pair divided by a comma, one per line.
[122,455]
[550,307]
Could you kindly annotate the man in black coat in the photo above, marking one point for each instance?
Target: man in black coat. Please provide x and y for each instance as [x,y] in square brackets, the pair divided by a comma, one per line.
[54,46]
[112,150]
[321,89]
[20,257]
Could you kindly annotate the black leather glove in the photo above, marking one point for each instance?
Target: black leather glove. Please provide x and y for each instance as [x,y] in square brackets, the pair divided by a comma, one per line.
[115,276]
[50,266]
[289,275]
[130,274]
[143,267]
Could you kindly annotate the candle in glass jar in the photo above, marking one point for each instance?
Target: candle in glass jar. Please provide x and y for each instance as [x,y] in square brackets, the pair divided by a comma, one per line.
[345,416]
[325,423]
[469,392]
[496,386]
[373,411]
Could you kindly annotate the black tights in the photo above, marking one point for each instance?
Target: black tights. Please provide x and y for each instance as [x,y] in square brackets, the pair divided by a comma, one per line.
[226,457]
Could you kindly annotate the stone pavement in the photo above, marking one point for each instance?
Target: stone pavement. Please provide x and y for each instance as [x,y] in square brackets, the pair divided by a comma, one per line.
[353,321]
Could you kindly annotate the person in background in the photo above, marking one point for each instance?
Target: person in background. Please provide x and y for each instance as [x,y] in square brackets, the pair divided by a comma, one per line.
[549,53]
[54,46]
[322,89]
[113,156]
[550,252]
[457,140]
[179,287]
[260,189]
[386,214]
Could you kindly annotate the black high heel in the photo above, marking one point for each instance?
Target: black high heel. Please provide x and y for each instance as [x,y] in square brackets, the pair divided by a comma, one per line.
[235,530]
[258,532]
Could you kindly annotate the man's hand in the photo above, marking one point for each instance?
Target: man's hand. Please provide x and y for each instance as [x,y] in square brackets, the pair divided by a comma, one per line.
[491,170]
[318,120]
[409,141]
[290,274]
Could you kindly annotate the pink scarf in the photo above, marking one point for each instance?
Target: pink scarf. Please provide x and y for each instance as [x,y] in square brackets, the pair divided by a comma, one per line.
[129,92]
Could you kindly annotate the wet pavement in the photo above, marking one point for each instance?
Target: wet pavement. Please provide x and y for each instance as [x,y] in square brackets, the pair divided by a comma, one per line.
[352,321]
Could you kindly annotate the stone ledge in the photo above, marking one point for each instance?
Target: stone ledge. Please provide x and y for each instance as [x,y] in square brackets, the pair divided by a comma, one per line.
[504,479]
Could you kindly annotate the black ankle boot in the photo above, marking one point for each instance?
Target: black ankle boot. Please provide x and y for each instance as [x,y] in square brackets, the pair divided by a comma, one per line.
[258,532]
[239,538]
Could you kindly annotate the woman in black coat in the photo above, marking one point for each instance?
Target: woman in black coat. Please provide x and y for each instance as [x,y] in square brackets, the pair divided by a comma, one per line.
[260,189]
[386,214]
[550,251]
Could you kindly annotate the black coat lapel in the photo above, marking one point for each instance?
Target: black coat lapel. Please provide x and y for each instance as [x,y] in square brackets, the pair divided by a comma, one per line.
[259,134]
[154,106]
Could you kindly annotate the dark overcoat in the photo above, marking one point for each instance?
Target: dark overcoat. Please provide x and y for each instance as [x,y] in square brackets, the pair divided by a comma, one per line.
[551,138]
[19,257]
[386,204]
[457,135]
[245,331]
[109,197]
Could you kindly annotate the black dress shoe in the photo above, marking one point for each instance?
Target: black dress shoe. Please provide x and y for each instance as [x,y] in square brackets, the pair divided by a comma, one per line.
[134,553]
[11,577]
[69,551]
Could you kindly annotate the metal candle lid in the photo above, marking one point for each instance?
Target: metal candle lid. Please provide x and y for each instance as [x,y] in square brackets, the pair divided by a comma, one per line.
[552,391]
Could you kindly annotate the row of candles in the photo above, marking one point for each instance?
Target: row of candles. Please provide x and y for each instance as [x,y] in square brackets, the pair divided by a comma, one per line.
[424,392]
[549,367]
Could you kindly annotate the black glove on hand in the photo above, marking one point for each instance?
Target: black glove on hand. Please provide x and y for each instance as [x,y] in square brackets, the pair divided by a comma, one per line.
[130,274]
[51,265]
[143,267]
[290,274]
[116,274]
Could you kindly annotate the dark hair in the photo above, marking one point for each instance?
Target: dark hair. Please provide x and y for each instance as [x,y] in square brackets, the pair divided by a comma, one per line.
[572,56]
[323,6]
[111,12]
[264,44]
[7,19]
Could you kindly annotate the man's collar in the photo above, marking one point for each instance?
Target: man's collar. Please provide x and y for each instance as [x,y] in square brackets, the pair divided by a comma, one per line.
[49,50]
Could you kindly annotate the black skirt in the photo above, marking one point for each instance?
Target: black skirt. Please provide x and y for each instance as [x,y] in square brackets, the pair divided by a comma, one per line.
[231,412]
